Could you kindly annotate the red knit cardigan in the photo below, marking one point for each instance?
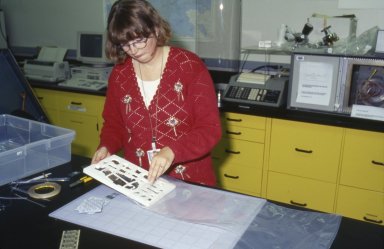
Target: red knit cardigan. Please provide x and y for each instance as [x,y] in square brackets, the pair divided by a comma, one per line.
[183,115]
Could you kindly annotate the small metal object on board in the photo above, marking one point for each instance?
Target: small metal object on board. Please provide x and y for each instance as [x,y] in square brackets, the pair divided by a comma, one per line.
[70,239]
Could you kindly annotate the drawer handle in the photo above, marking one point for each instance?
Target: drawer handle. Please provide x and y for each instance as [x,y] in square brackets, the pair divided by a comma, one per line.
[232,152]
[76,122]
[233,177]
[233,133]
[40,98]
[377,163]
[298,204]
[76,103]
[303,151]
[235,120]
[374,221]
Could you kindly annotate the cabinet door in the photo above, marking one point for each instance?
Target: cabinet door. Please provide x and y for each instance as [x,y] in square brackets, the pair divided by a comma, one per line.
[302,192]
[363,160]
[75,102]
[239,165]
[242,179]
[237,152]
[76,111]
[304,149]
[361,204]
[48,101]
[87,132]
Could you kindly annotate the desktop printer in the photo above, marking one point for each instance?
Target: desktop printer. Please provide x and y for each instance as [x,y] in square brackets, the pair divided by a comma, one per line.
[48,71]
[49,65]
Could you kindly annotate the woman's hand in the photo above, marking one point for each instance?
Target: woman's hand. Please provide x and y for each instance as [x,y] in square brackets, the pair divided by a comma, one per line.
[160,164]
[100,154]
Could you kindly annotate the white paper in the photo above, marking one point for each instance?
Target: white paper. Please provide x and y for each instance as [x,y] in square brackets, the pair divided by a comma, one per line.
[368,112]
[380,42]
[52,54]
[315,83]
[129,179]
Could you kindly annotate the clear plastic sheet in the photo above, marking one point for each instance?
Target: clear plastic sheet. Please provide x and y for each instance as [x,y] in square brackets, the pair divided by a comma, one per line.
[208,206]
[278,227]
[361,45]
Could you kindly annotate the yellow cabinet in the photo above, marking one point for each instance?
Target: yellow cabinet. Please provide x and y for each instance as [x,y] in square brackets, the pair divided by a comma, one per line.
[76,111]
[87,132]
[238,167]
[300,191]
[48,99]
[363,160]
[239,157]
[361,191]
[320,167]
[361,204]
[304,164]
[307,150]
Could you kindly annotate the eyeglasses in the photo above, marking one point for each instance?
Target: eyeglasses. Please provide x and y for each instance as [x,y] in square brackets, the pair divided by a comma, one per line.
[138,44]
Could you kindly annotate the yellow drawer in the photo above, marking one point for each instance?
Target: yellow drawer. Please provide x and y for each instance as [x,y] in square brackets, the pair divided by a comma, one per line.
[250,121]
[244,153]
[304,149]
[240,179]
[363,160]
[244,133]
[301,192]
[361,204]
[74,102]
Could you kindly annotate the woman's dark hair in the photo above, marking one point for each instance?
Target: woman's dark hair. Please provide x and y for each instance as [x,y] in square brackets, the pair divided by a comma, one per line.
[132,19]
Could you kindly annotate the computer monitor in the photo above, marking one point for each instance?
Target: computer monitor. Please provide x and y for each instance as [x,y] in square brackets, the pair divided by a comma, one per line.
[90,48]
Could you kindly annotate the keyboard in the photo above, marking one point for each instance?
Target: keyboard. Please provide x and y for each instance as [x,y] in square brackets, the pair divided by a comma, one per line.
[84,84]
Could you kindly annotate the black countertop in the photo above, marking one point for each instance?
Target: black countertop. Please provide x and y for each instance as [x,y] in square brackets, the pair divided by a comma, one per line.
[24,224]
[305,116]
[273,112]
[55,86]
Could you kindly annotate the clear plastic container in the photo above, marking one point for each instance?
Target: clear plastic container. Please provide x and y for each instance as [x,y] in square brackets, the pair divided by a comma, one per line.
[28,147]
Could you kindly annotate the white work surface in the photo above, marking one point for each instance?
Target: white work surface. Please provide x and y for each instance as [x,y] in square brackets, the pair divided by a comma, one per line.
[190,217]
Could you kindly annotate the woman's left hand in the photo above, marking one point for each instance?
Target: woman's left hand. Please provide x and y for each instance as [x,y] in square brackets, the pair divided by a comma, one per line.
[160,164]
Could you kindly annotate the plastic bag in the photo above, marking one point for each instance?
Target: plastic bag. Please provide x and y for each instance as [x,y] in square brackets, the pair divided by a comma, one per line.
[278,227]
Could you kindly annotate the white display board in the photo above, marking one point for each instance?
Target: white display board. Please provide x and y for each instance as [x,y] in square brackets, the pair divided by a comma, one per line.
[122,217]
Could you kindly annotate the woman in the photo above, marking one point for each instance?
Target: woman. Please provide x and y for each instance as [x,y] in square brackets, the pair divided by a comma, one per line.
[160,106]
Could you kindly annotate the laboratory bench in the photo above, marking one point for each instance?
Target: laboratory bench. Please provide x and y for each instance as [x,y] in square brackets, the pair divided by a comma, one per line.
[24,224]
[335,161]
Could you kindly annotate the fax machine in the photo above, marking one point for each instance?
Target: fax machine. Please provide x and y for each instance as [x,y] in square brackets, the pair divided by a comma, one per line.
[46,70]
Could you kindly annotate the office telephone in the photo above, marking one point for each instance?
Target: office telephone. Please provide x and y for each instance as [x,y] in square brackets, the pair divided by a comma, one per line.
[248,89]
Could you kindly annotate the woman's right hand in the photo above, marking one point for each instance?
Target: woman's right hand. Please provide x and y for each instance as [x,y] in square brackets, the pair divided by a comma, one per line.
[100,154]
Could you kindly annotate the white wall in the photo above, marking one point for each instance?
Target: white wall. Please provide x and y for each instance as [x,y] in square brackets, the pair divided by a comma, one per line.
[32,23]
